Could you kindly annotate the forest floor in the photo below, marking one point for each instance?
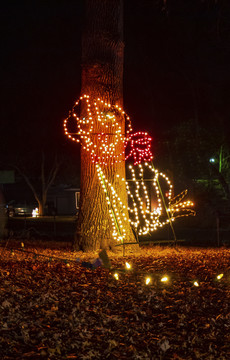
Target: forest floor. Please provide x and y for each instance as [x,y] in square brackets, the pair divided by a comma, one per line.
[54,304]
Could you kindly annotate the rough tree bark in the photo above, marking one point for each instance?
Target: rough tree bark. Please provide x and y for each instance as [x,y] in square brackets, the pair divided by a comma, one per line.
[2,214]
[102,77]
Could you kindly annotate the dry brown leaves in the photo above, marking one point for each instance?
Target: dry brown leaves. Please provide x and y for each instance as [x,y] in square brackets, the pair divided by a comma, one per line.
[50,309]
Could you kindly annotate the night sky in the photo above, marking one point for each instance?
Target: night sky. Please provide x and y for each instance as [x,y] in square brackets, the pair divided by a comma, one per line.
[176,67]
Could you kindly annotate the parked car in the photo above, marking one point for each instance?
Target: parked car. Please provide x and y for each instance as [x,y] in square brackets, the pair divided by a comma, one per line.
[19,209]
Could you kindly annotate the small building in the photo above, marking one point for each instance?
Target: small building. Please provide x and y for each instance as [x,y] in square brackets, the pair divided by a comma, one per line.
[62,200]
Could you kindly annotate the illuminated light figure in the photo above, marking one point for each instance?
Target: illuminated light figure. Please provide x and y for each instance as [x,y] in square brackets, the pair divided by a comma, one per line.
[99,131]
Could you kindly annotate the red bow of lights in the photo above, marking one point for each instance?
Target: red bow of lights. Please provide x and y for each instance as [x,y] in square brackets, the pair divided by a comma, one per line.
[138,146]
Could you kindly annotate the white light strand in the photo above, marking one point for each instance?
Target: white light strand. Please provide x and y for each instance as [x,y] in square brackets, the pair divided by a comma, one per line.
[100,131]
[142,218]
[115,206]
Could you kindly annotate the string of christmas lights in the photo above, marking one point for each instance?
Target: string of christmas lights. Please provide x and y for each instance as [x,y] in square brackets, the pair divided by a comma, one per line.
[143,219]
[148,278]
[157,278]
[147,215]
[116,207]
[99,131]
[92,264]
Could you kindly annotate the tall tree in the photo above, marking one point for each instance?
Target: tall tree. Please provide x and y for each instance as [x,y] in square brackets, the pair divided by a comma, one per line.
[102,77]
[2,214]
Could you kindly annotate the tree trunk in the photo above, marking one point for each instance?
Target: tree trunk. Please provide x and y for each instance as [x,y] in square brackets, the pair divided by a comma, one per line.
[102,77]
[42,202]
[3,218]
[41,208]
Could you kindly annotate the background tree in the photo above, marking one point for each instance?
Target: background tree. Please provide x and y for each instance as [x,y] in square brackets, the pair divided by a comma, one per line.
[41,183]
[102,77]
[199,162]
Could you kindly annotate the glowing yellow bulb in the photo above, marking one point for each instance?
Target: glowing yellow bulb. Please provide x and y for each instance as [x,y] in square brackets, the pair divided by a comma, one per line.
[147,280]
[219,276]
[164,279]
[195,283]
[128,266]
[116,276]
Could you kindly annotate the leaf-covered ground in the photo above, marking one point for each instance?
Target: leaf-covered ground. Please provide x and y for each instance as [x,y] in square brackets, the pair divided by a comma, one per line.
[55,309]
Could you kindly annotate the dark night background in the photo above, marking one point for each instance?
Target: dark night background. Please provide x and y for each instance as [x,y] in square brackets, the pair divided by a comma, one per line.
[177,56]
